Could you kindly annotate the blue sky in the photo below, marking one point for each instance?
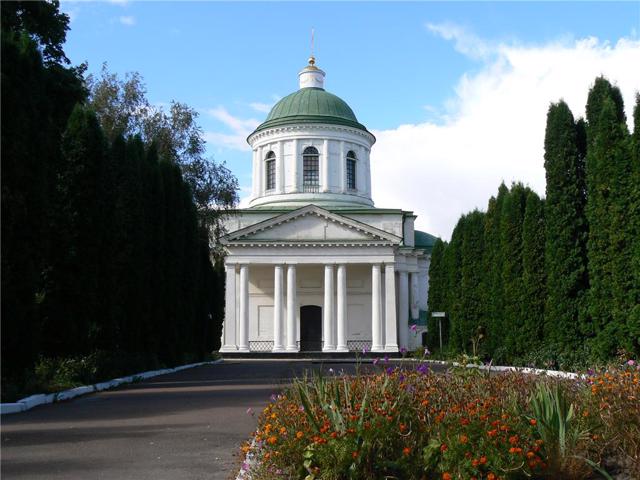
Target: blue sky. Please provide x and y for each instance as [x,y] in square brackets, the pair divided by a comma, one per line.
[417,65]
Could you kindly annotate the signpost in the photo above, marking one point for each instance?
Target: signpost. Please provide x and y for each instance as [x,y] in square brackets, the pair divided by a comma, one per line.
[439,316]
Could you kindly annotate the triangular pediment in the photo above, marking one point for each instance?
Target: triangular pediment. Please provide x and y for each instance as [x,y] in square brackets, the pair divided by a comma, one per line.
[311,224]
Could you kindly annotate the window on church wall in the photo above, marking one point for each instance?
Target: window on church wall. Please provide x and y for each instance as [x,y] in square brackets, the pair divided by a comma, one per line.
[310,170]
[351,170]
[270,171]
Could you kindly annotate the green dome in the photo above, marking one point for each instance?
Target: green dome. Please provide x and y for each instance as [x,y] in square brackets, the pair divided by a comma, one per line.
[311,105]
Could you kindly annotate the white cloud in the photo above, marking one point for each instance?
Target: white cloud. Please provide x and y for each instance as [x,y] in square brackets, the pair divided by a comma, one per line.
[261,107]
[240,130]
[127,20]
[465,42]
[494,126]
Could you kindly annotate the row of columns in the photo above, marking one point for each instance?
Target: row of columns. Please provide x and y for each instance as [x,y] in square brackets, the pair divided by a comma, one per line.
[384,335]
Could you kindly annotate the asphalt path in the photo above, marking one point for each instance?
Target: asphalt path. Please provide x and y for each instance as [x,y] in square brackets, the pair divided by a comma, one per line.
[185,425]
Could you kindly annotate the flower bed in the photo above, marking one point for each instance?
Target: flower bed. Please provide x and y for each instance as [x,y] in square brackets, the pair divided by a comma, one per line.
[465,424]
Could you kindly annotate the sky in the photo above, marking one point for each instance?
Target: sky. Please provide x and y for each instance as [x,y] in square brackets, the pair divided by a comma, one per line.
[456,93]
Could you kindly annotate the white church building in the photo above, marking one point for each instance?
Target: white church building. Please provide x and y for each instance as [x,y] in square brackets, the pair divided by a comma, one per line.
[312,265]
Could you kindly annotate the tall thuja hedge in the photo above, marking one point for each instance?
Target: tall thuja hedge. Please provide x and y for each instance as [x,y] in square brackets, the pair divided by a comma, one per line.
[565,245]
[467,315]
[74,306]
[492,268]
[533,274]
[131,272]
[512,269]
[437,301]
[634,226]
[609,189]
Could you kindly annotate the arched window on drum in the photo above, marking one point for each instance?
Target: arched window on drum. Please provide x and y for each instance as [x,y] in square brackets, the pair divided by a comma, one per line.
[351,170]
[270,171]
[310,170]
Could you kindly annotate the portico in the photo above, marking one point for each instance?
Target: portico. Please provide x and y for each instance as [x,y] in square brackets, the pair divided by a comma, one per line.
[312,265]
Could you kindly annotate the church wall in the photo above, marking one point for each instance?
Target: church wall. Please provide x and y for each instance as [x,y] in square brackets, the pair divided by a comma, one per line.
[389,222]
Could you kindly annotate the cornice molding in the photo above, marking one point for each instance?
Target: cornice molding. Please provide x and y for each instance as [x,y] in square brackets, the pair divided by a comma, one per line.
[288,129]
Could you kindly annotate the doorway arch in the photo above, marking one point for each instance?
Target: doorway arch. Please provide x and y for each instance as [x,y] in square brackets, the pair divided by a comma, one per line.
[310,328]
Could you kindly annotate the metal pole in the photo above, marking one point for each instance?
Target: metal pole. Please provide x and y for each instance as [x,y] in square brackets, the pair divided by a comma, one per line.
[440,324]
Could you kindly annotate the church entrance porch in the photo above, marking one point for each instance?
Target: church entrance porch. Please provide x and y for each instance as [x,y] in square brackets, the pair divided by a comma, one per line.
[285,308]
[310,328]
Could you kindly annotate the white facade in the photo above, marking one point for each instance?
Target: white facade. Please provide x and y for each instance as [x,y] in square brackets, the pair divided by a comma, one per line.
[311,264]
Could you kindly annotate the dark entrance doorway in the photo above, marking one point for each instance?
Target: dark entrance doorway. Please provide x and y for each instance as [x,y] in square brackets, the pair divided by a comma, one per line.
[310,328]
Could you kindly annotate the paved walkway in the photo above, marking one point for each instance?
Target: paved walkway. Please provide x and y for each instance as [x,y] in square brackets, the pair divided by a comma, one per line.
[186,425]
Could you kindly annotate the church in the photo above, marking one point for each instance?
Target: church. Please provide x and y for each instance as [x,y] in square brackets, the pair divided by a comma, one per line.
[312,265]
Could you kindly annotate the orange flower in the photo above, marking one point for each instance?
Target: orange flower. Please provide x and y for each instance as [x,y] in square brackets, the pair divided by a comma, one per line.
[464,439]
[446,476]
[443,447]
[491,476]
[475,462]
[271,440]
[355,454]
[299,435]
[483,460]
[406,451]
[513,440]
[403,427]
[533,422]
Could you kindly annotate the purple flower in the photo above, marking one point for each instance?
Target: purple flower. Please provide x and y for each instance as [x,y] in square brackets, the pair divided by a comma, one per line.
[250,411]
[301,408]
[375,361]
[591,372]
[390,370]
[364,350]
[631,363]
[423,368]
[386,359]
[273,397]
[426,352]
[403,350]
[245,466]
[414,328]
[401,377]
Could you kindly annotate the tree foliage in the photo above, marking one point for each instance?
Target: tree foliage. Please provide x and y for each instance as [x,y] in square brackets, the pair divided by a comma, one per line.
[123,108]
[554,282]
[104,248]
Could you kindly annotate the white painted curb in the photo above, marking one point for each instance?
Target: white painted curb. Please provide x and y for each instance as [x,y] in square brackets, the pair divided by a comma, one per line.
[28,403]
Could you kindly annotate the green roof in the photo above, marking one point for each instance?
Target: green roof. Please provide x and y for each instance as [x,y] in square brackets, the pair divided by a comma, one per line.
[311,105]
[424,240]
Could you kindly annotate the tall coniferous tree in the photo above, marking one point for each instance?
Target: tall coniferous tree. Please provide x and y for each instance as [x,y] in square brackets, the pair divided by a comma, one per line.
[607,174]
[533,274]
[437,290]
[453,262]
[492,285]
[471,318]
[511,247]
[565,244]
[634,225]
[73,306]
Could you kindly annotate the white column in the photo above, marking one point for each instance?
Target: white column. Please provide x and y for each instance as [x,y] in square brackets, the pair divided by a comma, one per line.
[280,168]
[254,174]
[278,281]
[343,168]
[229,327]
[391,328]
[243,343]
[376,320]
[360,172]
[368,172]
[292,306]
[341,310]
[327,310]
[294,166]
[324,163]
[413,300]
[403,310]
